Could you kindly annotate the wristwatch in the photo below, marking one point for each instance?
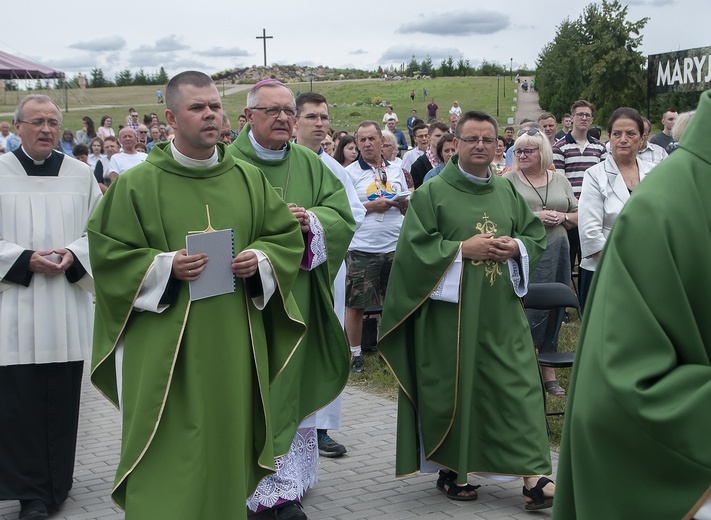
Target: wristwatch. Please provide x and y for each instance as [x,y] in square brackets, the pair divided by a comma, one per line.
[565,215]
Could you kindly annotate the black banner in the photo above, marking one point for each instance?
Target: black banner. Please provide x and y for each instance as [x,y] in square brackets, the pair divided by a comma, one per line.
[680,71]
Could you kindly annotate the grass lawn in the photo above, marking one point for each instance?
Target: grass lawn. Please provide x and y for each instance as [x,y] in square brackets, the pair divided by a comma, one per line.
[352,101]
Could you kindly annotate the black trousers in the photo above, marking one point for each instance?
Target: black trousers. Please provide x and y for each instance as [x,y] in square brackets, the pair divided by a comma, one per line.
[39,417]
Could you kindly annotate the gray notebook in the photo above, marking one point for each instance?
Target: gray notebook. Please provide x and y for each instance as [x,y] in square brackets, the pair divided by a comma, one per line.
[217,278]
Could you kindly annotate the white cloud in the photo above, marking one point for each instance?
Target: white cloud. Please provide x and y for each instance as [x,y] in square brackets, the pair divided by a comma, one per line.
[457,23]
[107,44]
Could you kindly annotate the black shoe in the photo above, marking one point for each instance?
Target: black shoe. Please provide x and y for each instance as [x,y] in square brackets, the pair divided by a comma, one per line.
[289,511]
[33,510]
[327,447]
[358,364]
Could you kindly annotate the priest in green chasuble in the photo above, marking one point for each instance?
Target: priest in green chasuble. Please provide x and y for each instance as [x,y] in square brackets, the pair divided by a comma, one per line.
[455,333]
[636,432]
[192,377]
[319,201]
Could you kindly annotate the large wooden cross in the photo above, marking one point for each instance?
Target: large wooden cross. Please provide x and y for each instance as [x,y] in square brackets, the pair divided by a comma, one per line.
[264,38]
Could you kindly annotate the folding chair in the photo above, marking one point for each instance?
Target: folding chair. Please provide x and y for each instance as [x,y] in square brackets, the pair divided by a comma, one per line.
[547,296]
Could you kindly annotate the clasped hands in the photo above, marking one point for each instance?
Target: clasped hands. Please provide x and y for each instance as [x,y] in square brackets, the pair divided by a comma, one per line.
[485,247]
[302,216]
[549,218]
[189,267]
[51,263]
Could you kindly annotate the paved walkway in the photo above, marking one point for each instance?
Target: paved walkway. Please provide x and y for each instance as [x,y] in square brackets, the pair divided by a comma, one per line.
[527,104]
[359,486]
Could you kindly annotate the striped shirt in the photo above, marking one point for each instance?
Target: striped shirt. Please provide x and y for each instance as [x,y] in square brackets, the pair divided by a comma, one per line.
[571,159]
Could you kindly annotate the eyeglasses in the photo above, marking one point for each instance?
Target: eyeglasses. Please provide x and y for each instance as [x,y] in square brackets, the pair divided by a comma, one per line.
[524,151]
[39,123]
[387,146]
[530,131]
[134,115]
[228,134]
[487,141]
[312,118]
[583,115]
[143,131]
[275,111]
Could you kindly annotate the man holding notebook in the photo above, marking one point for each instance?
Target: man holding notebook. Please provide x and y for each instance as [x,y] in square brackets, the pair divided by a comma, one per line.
[191,369]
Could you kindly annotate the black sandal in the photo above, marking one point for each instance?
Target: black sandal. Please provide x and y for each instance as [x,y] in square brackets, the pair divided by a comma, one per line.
[447,483]
[540,501]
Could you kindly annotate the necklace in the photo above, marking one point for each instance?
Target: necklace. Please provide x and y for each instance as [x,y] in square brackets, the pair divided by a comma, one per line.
[288,176]
[543,201]
[630,181]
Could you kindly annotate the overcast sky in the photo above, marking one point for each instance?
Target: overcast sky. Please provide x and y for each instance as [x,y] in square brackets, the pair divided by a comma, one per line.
[75,36]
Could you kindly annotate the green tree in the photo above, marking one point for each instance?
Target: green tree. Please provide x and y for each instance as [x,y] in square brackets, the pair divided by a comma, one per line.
[123,78]
[426,66]
[446,68]
[413,66]
[97,79]
[595,57]
[462,67]
[559,76]
[162,77]
[489,68]
[141,78]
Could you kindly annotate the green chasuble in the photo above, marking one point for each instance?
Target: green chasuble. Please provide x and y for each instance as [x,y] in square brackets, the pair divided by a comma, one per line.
[195,400]
[469,383]
[321,371]
[636,432]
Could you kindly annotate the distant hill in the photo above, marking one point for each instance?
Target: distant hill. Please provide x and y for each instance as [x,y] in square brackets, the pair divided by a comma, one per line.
[290,74]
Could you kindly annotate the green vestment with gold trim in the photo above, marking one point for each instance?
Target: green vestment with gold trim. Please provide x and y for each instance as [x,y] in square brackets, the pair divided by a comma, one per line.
[301,178]
[197,412]
[636,433]
[470,393]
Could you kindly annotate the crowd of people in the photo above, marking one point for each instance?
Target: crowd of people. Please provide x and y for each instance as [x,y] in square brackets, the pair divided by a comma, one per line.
[227,400]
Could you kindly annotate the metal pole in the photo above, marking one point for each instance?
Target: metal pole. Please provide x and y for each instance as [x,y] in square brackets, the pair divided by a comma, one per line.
[511,68]
[498,90]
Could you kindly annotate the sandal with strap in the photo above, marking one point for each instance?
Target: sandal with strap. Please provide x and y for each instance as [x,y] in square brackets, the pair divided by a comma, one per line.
[553,388]
[447,483]
[540,501]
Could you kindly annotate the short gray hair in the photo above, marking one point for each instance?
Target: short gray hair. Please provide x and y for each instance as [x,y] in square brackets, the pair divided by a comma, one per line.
[40,98]
[253,94]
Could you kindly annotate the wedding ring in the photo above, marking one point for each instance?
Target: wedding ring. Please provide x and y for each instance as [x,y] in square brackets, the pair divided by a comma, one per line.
[190,273]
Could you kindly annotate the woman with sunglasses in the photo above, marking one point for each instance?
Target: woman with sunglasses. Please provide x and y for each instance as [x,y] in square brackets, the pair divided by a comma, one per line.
[550,197]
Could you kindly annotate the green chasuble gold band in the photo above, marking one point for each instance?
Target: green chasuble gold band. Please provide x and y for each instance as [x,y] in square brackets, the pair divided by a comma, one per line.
[469,383]
[196,407]
[321,371]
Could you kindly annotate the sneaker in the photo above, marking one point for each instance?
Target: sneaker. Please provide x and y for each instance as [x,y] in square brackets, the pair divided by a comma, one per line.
[327,447]
[357,364]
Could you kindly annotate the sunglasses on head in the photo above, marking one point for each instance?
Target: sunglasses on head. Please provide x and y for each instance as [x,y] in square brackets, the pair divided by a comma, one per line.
[530,131]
